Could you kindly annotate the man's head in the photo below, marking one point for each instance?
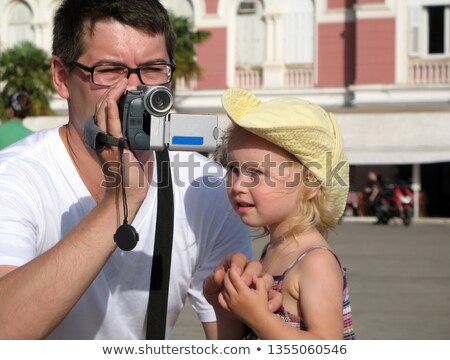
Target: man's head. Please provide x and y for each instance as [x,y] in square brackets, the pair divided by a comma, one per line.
[19,105]
[97,42]
[74,17]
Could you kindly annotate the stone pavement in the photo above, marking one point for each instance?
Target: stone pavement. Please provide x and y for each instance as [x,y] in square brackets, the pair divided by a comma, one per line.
[399,279]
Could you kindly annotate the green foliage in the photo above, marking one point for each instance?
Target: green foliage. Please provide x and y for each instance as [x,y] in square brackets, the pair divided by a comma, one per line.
[26,67]
[187,39]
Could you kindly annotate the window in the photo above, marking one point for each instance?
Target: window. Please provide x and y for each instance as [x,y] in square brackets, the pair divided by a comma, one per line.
[247,7]
[250,39]
[299,32]
[20,27]
[436,32]
[429,29]
[183,8]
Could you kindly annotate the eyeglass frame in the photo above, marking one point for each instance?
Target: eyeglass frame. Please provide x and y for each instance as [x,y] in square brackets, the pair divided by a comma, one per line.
[136,70]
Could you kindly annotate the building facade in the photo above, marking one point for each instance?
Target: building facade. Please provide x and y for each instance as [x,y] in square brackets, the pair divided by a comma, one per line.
[382,66]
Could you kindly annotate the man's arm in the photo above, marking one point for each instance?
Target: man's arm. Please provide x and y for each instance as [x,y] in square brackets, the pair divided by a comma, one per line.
[37,296]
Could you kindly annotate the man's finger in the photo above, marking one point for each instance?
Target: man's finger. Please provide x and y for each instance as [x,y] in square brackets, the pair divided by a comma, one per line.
[237,260]
[253,268]
[114,93]
[275,300]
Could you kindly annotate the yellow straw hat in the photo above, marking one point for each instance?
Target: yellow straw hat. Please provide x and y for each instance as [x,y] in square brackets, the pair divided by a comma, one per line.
[303,129]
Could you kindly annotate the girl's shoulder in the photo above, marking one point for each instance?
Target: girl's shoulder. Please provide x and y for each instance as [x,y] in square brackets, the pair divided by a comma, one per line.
[316,255]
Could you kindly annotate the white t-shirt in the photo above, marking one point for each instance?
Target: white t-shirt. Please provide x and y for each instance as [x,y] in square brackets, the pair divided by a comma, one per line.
[43,198]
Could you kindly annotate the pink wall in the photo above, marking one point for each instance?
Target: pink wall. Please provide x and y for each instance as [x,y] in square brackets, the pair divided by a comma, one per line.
[211,6]
[339,4]
[336,54]
[211,55]
[375,51]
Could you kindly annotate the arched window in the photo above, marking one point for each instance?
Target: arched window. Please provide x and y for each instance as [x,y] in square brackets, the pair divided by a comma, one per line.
[250,33]
[20,25]
[181,8]
[299,32]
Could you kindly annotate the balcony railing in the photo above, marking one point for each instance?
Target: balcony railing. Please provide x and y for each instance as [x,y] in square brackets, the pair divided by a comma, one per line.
[183,84]
[429,71]
[299,76]
[295,76]
[249,78]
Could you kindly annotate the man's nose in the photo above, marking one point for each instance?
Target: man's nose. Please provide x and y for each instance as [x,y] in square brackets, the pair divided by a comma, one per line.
[134,81]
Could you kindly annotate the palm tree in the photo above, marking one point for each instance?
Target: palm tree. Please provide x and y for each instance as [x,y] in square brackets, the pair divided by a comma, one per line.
[187,39]
[26,67]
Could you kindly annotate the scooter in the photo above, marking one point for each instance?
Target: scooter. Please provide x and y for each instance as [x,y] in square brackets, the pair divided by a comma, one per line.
[395,201]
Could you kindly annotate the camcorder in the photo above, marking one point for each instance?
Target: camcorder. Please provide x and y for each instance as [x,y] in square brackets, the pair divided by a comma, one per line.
[148,125]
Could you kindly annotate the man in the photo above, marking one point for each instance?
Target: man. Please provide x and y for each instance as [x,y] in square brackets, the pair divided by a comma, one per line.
[373,191]
[61,274]
[18,108]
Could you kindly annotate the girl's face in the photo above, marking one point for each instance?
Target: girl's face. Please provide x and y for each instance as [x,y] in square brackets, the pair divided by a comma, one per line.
[263,181]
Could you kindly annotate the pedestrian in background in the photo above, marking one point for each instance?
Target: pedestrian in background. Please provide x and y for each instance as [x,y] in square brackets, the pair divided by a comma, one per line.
[12,129]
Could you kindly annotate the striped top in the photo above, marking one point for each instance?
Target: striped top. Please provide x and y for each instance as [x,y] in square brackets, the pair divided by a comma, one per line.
[297,321]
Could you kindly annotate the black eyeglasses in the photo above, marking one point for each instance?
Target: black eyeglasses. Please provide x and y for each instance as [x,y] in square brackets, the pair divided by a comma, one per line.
[108,74]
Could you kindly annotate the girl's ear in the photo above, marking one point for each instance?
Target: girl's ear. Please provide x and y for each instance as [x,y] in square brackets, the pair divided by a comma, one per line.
[312,192]
[60,76]
[312,185]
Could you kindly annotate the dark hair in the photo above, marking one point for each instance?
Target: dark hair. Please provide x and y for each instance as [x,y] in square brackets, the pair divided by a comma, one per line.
[21,104]
[74,17]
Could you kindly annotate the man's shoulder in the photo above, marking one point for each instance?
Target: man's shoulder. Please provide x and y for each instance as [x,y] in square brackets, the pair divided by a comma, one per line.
[39,145]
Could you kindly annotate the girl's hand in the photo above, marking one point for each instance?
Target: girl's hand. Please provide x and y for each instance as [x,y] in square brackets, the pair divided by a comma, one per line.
[247,303]
[248,270]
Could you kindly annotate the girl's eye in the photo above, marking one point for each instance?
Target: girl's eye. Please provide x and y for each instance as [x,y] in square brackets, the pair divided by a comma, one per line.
[254,172]
[232,169]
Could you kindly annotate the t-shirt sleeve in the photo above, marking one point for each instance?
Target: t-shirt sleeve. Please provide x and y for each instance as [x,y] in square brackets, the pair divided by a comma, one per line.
[17,227]
[226,234]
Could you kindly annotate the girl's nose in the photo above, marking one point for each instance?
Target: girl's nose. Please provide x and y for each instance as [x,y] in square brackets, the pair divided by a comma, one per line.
[238,183]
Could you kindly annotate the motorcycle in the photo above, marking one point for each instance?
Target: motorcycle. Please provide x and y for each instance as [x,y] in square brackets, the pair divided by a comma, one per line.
[395,201]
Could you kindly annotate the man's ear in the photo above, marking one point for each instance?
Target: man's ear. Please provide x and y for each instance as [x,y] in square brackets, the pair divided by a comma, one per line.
[60,77]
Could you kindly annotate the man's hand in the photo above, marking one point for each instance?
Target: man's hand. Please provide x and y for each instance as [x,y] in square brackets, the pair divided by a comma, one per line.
[137,167]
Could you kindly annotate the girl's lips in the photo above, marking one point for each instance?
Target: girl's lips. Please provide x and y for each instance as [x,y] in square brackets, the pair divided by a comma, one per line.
[243,206]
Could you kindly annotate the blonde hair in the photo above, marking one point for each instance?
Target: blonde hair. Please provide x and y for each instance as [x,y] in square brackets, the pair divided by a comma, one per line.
[314,210]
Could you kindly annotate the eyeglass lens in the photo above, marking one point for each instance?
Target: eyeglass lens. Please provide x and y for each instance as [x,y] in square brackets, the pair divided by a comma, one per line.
[155,74]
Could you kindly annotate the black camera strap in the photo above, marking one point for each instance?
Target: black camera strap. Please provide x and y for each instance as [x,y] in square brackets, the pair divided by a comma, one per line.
[96,138]
[159,283]
[127,237]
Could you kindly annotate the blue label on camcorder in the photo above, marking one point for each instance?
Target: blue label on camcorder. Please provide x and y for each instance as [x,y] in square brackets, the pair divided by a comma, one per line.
[187,140]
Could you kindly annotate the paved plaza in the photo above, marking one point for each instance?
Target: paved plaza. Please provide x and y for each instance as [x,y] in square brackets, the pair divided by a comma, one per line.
[399,279]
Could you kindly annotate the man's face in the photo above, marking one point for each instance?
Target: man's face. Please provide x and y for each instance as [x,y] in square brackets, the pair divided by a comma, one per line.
[110,42]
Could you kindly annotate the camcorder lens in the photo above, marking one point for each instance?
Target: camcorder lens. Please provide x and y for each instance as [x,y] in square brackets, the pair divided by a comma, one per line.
[159,101]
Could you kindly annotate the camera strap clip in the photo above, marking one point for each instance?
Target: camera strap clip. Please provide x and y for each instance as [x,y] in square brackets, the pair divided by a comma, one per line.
[96,139]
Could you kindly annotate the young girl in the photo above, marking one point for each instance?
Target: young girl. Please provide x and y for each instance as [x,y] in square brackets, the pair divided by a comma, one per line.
[287,172]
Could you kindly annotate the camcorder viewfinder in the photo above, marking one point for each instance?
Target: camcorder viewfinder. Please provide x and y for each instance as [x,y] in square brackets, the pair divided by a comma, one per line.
[148,125]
